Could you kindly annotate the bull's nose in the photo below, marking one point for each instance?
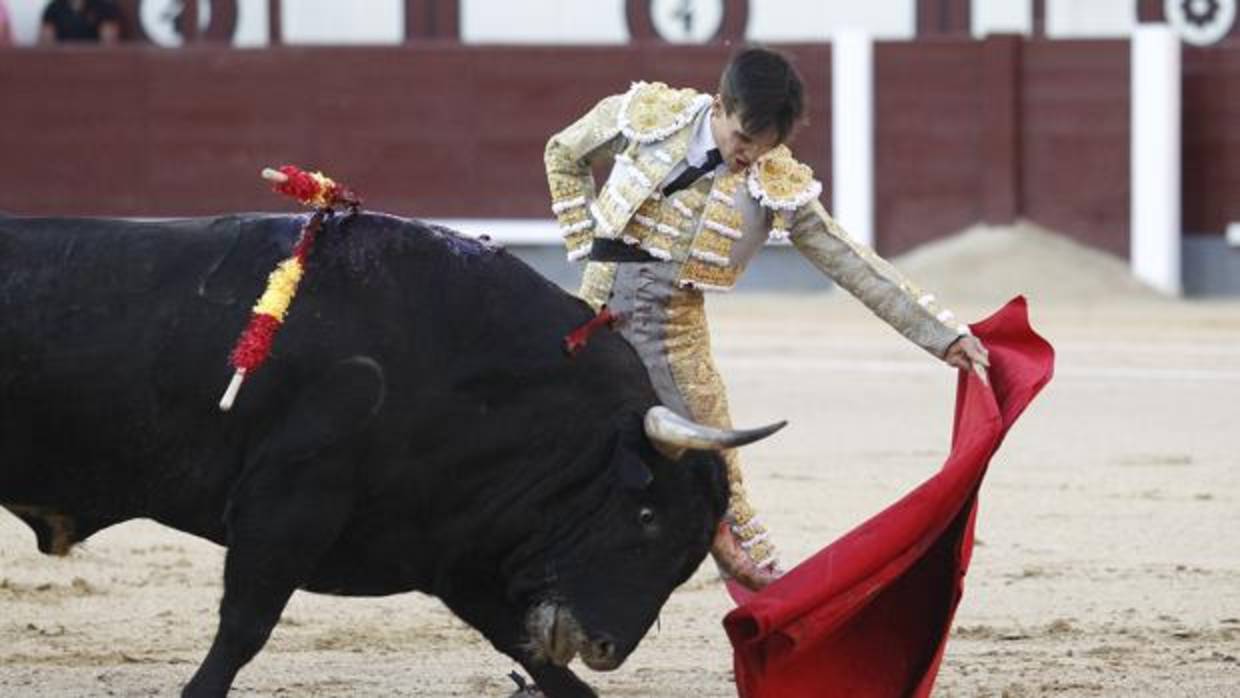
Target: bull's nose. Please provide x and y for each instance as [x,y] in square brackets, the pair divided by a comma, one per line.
[602,655]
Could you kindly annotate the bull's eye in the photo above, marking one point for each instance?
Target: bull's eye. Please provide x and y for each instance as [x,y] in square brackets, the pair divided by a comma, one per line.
[646,516]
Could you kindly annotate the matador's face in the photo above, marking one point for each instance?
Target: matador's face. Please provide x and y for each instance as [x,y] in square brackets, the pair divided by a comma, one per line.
[739,148]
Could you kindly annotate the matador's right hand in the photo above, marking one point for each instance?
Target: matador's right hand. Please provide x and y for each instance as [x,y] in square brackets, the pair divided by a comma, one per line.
[736,562]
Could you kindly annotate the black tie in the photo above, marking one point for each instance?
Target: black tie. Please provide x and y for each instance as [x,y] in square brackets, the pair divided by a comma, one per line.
[693,173]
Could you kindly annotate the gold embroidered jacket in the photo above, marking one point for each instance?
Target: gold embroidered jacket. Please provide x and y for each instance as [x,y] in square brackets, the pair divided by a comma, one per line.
[713,234]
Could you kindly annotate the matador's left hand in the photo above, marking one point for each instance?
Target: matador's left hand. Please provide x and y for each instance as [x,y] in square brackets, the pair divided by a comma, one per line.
[968,353]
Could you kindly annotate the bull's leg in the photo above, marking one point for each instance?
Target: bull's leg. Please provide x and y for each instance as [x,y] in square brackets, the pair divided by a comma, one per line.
[259,578]
[504,625]
[558,682]
[290,505]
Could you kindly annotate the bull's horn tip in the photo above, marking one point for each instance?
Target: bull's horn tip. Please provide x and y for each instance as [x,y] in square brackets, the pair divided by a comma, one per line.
[676,433]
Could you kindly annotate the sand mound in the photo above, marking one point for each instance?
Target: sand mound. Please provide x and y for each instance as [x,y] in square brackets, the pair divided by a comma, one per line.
[989,264]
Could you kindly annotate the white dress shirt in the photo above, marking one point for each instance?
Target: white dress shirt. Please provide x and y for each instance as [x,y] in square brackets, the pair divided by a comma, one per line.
[701,143]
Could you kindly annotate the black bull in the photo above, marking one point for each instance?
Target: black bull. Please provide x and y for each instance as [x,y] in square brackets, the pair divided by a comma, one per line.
[418,427]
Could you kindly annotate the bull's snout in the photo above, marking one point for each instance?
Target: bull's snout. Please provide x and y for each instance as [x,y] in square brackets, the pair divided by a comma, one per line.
[600,654]
[555,634]
[557,637]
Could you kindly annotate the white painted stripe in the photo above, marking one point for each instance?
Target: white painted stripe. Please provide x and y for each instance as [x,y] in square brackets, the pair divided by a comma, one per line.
[803,363]
[505,231]
[1232,234]
[1155,146]
[852,133]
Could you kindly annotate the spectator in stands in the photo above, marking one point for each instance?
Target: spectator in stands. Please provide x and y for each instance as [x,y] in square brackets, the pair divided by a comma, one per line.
[6,26]
[80,20]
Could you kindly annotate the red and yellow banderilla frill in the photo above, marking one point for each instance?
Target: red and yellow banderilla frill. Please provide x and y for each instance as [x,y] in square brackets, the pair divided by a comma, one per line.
[254,345]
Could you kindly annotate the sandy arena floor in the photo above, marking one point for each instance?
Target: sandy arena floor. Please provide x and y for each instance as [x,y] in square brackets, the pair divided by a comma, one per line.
[1108,561]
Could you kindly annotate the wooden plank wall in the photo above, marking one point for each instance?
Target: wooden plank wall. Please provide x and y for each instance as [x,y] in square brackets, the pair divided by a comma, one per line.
[442,131]
[966,131]
[928,156]
[1211,143]
[1075,139]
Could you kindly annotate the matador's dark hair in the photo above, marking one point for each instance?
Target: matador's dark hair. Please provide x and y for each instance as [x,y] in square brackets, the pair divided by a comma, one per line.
[765,89]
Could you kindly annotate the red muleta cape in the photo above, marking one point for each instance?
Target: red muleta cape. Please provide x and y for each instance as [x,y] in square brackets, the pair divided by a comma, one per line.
[869,615]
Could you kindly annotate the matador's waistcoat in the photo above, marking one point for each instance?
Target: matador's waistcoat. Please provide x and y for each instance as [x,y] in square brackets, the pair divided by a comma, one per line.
[713,232]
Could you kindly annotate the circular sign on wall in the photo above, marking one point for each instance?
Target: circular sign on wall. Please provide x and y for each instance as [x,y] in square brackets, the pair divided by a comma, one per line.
[687,21]
[163,21]
[1201,22]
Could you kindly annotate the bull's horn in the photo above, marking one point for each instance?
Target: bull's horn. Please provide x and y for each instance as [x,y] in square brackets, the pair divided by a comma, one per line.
[673,434]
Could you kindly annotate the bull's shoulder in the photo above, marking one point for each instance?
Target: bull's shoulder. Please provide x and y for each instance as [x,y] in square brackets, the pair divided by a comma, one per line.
[366,241]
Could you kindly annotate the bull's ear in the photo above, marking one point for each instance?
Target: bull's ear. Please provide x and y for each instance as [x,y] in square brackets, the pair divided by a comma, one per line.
[633,473]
